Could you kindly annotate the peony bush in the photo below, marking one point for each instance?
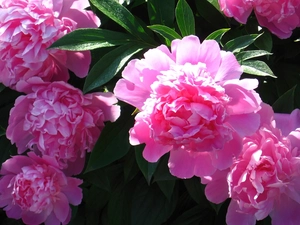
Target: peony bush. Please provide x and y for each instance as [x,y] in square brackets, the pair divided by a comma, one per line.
[174,112]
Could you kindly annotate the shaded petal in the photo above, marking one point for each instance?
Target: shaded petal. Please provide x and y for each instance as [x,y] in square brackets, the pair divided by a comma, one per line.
[72,191]
[235,217]
[61,207]
[286,211]
[131,93]
[237,9]
[15,164]
[245,124]
[79,62]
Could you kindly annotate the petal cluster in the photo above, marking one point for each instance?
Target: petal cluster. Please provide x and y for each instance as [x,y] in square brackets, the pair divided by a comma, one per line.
[57,120]
[280,17]
[264,179]
[29,27]
[191,103]
[35,190]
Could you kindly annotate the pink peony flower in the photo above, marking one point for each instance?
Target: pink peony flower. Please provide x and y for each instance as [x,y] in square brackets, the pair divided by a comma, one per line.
[192,104]
[280,17]
[56,119]
[29,27]
[34,189]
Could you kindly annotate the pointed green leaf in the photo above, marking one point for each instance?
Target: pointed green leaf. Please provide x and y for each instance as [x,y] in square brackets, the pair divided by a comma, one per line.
[89,39]
[185,18]
[146,167]
[161,12]
[122,16]
[258,68]
[217,35]
[265,42]
[245,55]
[113,142]
[166,32]
[237,44]
[167,187]
[109,65]
[286,103]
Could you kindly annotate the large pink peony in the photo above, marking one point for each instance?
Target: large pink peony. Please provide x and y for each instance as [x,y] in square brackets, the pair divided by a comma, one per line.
[29,27]
[264,180]
[192,104]
[56,119]
[281,17]
[34,189]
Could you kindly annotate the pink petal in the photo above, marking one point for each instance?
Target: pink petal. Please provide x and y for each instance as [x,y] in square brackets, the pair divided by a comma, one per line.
[235,217]
[131,93]
[158,60]
[222,159]
[72,191]
[153,151]
[52,220]
[229,68]
[61,207]
[186,50]
[237,9]
[15,164]
[79,62]
[32,218]
[245,124]
[216,190]
[287,122]
[185,164]
[286,211]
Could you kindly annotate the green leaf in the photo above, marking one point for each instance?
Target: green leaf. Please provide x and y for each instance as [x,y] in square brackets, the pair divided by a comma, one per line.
[123,17]
[98,178]
[2,131]
[286,103]
[239,43]
[193,216]
[258,68]
[2,87]
[95,201]
[167,187]
[265,42]
[150,206]
[217,35]
[161,12]
[109,65]
[211,14]
[185,18]
[166,32]
[113,142]
[89,39]
[196,190]
[245,55]
[162,172]
[146,167]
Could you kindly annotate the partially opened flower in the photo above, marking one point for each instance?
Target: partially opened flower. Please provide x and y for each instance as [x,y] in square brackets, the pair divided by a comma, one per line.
[192,104]
[29,27]
[56,119]
[280,17]
[35,190]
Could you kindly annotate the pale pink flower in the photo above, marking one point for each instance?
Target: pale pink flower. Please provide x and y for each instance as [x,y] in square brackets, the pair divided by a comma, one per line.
[56,119]
[35,190]
[192,104]
[280,17]
[29,27]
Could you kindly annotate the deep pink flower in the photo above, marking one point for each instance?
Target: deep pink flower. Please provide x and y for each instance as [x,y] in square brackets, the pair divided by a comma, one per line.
[192,104]
[29,27]
[280,17]
[264,180]
[56,119]
[35,190]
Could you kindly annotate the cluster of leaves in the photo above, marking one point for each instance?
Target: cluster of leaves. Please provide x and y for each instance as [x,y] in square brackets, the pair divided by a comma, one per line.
[120,187]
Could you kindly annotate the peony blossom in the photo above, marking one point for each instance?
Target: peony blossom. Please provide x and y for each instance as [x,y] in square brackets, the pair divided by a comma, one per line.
[29,27]
[280,17]
[192,104]
[57,120]
[264,180]
[287,122]
[35,190]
